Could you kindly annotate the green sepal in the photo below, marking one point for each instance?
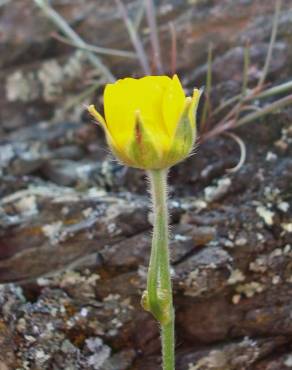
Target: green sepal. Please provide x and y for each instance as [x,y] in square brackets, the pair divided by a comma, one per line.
[183,139]
[142,150]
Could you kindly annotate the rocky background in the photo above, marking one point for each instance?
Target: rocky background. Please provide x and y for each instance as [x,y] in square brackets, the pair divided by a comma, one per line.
[75,226]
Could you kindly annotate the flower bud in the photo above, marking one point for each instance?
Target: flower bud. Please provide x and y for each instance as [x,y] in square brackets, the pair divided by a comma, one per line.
[149,122]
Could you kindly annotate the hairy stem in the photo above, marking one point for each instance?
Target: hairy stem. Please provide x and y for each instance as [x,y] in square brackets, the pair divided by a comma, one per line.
[159,286]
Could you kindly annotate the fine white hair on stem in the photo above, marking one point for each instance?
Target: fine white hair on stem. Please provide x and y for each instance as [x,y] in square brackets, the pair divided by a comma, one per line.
[194,149]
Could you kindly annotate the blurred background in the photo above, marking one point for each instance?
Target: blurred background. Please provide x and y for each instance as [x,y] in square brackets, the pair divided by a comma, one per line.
[75,226]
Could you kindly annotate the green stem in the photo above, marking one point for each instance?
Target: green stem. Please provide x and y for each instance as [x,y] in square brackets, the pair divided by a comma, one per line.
[167,338]
[159,287]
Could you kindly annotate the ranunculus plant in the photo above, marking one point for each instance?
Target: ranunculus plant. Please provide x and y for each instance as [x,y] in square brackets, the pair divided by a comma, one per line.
[150,124]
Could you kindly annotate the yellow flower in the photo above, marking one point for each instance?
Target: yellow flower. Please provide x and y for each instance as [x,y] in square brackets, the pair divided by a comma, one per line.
[149,122]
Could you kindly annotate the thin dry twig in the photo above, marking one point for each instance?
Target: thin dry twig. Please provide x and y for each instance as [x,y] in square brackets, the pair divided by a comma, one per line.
[232,114]
[242,148]
[207,104]
[226,104]
[151,19]
[4,2]
[268,109]
[63,25]
[272,43]
[275,90]
[248,108]
[97,49]
[246,62]
[139,16]
[81,97]
[230,122]
[136,41]
[231,119]
[217,130]
[173,61]
[279,89]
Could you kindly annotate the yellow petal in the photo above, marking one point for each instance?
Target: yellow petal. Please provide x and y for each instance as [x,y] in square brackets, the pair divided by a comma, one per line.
[173,105]
[161,104]
[125,97]
[118,107]
[149,99]
[110,140]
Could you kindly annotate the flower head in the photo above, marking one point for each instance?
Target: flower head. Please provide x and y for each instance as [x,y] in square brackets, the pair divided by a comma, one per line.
[149,122]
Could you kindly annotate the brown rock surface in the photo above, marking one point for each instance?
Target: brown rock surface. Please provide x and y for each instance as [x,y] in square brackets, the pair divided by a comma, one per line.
[75,226]
[40,75]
